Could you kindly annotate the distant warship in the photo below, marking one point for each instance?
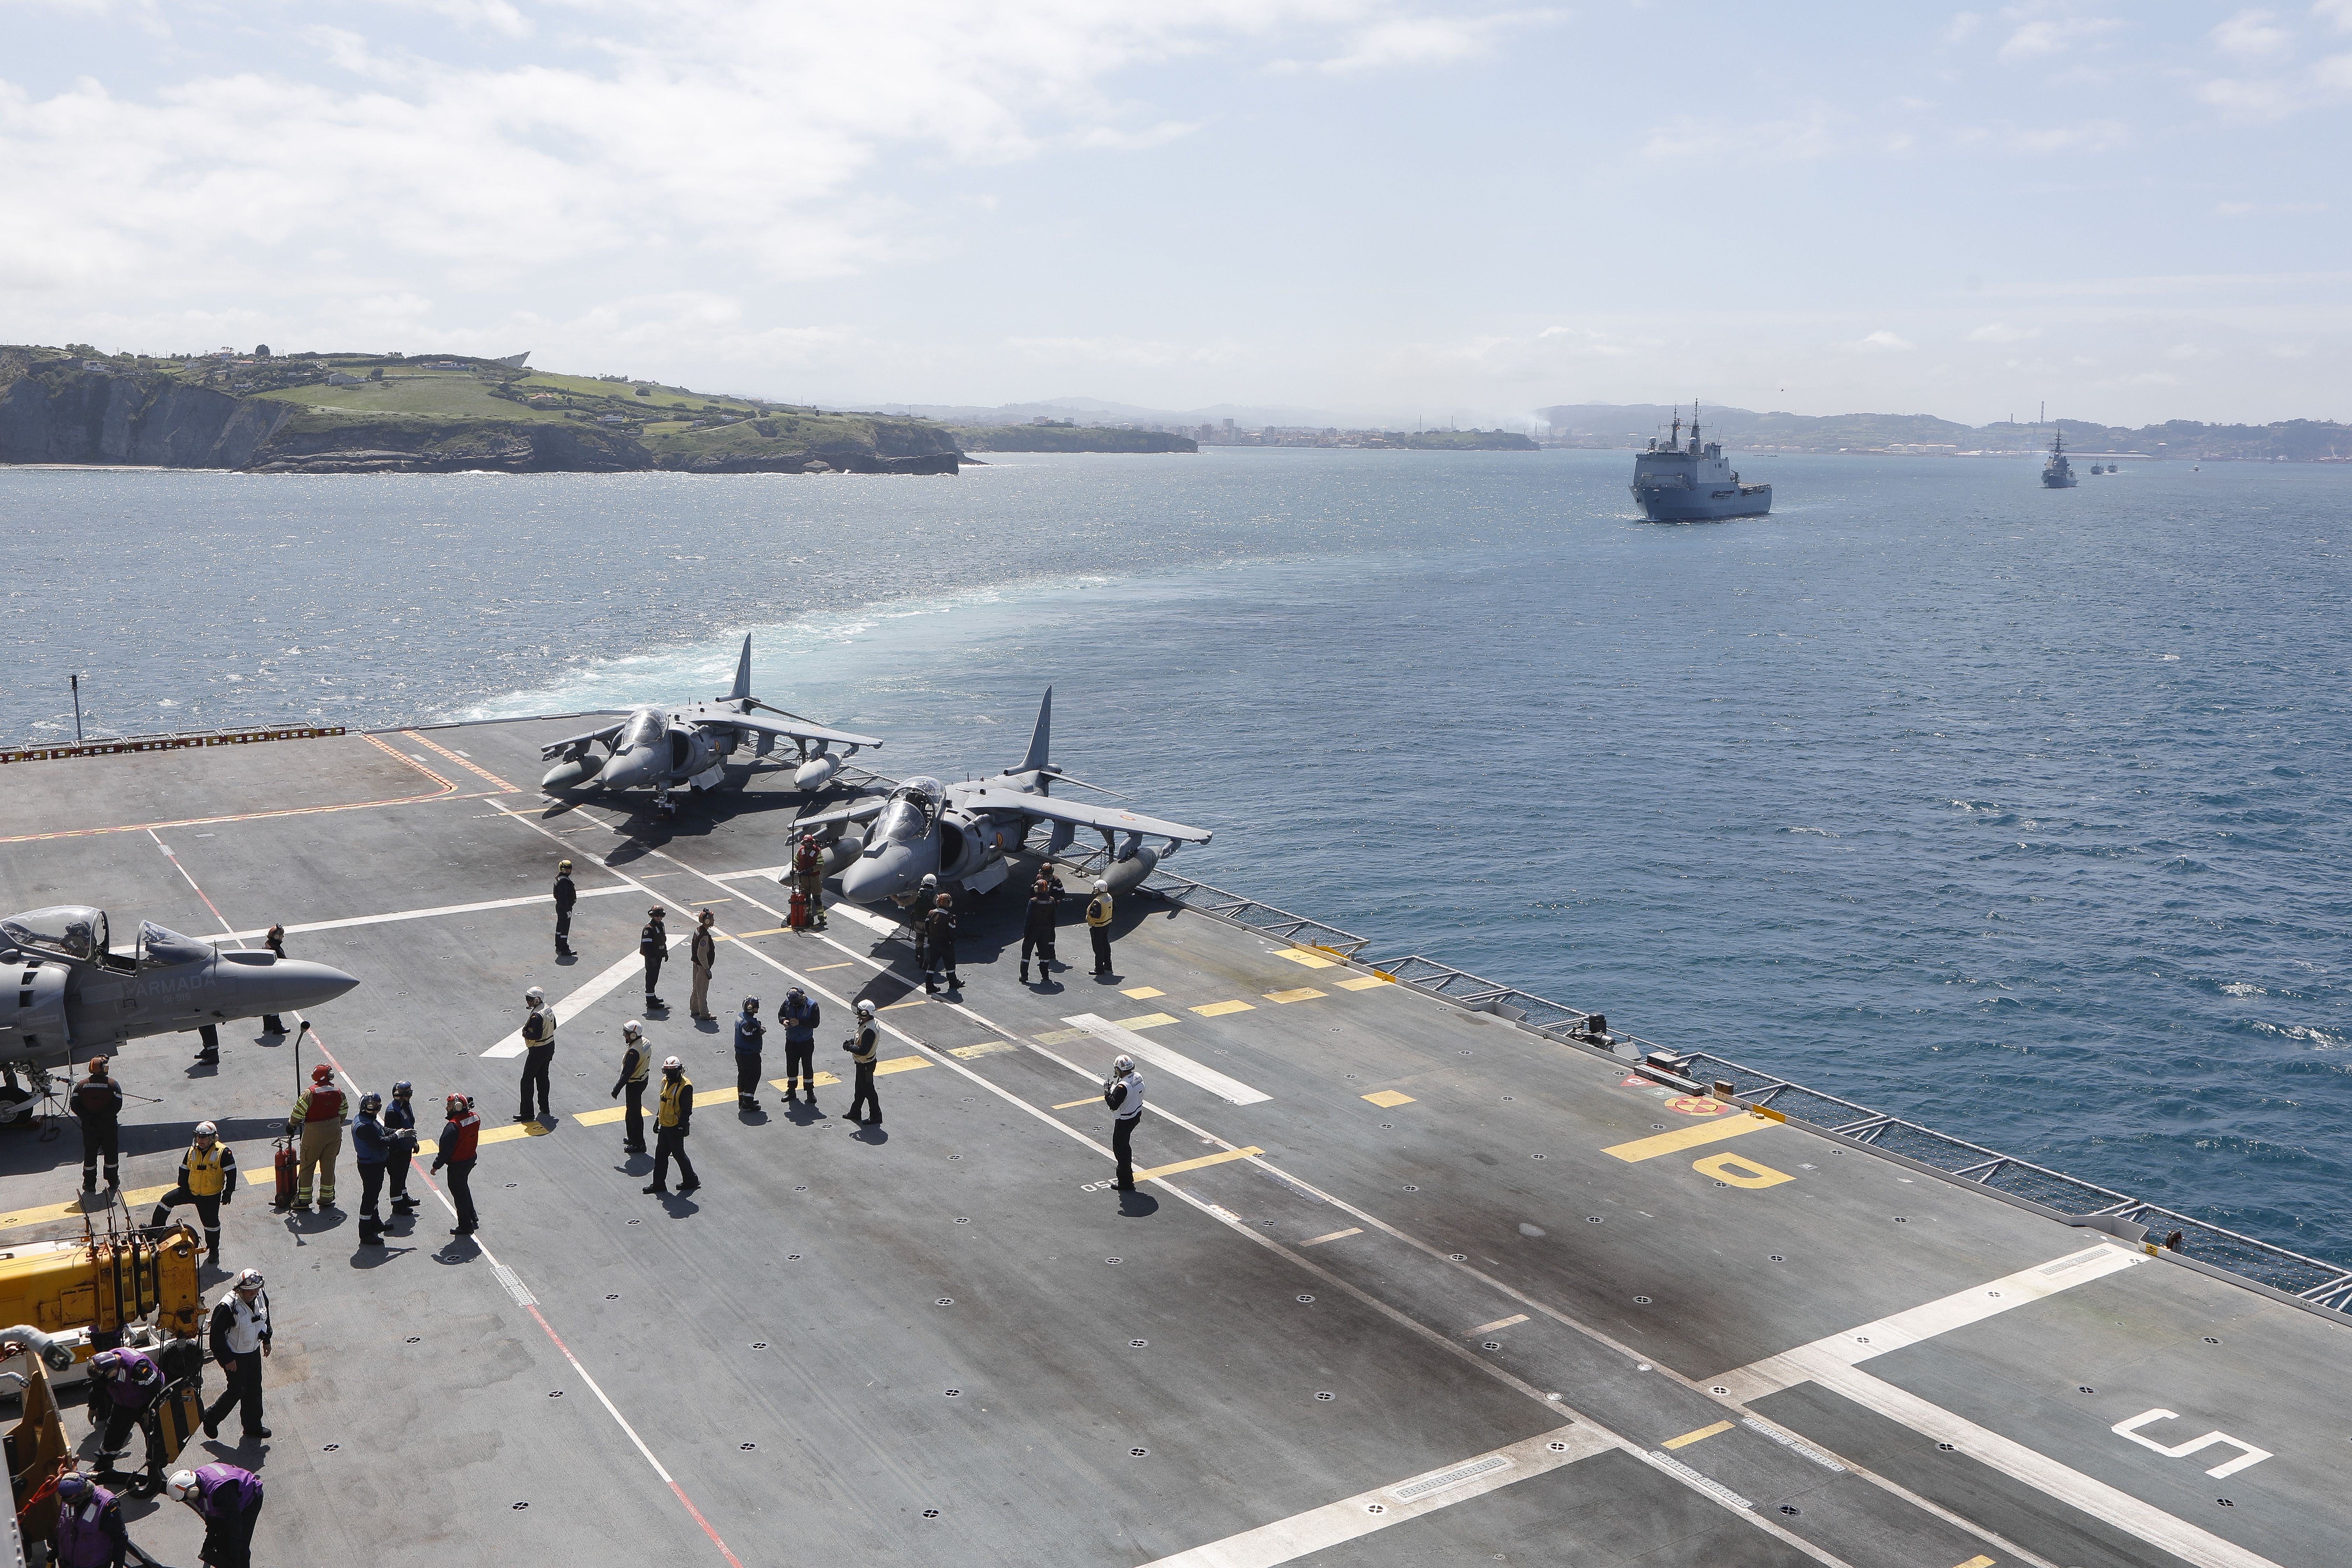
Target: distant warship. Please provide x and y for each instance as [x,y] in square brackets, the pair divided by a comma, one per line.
[1692,483]
[2057,472]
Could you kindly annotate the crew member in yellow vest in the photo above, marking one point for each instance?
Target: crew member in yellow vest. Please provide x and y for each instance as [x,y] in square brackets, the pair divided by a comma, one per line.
[672,1121]
[318,1121]
[208,1180]
[862,1047]
[1098,913]
[637,1066]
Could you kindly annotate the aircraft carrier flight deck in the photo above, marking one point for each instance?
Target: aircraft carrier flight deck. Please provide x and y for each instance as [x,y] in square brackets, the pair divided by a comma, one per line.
[1405,1282]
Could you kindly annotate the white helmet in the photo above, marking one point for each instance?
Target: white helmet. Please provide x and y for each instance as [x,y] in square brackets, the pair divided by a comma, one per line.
[182,1485]
[1123,1066]
[865,1009]
[207,1130]
[669,1062]
[931,880]
[632,1029]
[1101,887]
[534,995]
[249,1280]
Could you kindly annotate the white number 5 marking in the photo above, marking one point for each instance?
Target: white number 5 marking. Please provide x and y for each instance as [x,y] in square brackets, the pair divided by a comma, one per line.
[2252,1456]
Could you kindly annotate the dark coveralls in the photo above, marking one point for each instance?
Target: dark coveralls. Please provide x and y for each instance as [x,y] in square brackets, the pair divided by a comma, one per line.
[537,1057]
[1098,918]
[672,1121]
[750,1036]
[276,943]
[800,1017]
[635,1064]
[371,1151]
[862,1051]
[461,1136]
[129,1393]
[939,943]
[566,895]
[242,1368]
[653,945]
[98,1106]
[400,1132]
[1037,930]
[1125,1098]
[230,1500]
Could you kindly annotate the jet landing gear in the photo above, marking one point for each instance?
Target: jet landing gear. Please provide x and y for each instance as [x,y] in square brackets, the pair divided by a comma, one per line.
[663,807]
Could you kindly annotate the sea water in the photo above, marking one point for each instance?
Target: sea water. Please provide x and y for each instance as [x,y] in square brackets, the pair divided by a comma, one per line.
[2021,813]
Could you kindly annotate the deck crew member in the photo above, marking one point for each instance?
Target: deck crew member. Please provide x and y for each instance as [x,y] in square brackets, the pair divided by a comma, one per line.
[702,951]
[208,1043]
[132,1383]
[400,1131]
[1037,928]
[918,916]
[538,1054]
[228,1500]
[939,939]
[653,946]
[862,1047]
[799,1016]
[673,1120]
[751,1034]
[461,1138]
[208,1180]
[372,1150]
[89,1525]
[318,1120]
[808,870]
[240,1342]
[98,1106]
[1123,1092]
[1099,913]
[566,895]
[637,1066]
[275,941]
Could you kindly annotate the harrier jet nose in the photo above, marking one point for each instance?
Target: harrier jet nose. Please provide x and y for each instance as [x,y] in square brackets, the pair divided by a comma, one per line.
[286,984]
[637,766]
[893,868]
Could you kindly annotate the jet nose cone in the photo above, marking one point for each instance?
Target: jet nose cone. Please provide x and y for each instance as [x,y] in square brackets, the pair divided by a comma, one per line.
[872,877]
[291,984]
[629,769]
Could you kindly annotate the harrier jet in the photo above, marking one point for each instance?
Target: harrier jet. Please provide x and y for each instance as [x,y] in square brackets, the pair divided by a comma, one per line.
[76,996]
[662,748]
[961,833]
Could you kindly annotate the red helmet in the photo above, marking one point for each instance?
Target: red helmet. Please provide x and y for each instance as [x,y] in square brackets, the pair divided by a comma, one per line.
[321,1073]
[458,1102]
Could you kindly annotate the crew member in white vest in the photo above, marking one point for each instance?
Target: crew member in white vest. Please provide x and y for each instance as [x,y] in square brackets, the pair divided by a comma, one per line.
[1123,1092]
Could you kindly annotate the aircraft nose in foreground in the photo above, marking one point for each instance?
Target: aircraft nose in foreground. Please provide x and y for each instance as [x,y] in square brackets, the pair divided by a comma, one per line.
[892,869]
[639,766]
[289,984]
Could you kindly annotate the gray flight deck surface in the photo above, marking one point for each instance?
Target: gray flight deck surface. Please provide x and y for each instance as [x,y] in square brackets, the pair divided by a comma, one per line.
[1451,1327]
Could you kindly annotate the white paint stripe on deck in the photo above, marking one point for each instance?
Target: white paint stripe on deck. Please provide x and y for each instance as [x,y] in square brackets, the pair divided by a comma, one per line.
[425,914]
[1160,1056]
[580,1001]
[1317,1529]
[1956,1310]
[2096,1498]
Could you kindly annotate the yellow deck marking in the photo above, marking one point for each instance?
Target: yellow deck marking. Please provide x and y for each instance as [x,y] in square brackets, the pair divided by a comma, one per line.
[1689,1137]
[1307,956]
[985,1049]
[1145,1021]
[1739,1171]
[513,1130]
[772,931]
[1068,1104]
[1688,1438]
[1389,1097]
[466,763]
[1333,1236]
[1978,1562]
[1304,994]
[599,1118]
[1196,1164]
[1144,993]
[900,1064]
[1365,982]
[916,1002]
[1061,1036]
[1500,1323]
[815,967]
[1219,1009]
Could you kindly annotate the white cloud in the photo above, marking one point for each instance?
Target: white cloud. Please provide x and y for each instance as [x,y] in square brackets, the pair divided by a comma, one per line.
[2254,101]
[2044,37]
[1964,24]
[1812,134]
[2336,12]
[2184,350]
[1882,343]
[1421,41]
[2002,332]
[2089,136]
[2252,35]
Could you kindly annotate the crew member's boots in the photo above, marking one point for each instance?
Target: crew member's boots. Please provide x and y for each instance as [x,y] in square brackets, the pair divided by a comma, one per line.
[327,1196]
[210,1035]
[211,1246]
[1024,974]
[302,1198]
[371,1231]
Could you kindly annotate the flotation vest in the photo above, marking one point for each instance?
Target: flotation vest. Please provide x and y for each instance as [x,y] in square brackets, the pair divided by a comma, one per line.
[672,1091]
[204,1177]
[323,1103]
[468,1137]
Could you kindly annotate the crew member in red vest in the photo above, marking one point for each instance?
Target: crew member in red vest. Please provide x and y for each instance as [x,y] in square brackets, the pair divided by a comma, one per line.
[461,1135]
[318,1121]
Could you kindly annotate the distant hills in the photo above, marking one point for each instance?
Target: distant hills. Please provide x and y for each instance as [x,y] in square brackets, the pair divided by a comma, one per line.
[1633,424]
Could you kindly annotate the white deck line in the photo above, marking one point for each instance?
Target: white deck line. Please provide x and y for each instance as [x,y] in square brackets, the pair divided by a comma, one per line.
[587,997]
[1317,1529]
[424,914]
[1160,1056]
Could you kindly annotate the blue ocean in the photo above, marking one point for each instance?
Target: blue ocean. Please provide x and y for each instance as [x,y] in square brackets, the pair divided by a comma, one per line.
[2019,813]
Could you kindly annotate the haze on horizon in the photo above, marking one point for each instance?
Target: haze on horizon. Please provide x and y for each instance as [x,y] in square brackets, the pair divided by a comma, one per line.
[1382,209]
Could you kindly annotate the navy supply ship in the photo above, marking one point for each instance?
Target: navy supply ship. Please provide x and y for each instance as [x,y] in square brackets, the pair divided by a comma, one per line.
[1693,483]
[1419,1267]
[2057,473]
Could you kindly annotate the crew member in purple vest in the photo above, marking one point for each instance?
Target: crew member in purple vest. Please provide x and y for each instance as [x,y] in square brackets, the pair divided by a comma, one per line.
[229,1502]
[89,1525]
[133,1384]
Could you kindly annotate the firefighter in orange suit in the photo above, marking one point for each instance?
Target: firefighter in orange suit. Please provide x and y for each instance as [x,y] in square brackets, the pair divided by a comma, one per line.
[318,1121]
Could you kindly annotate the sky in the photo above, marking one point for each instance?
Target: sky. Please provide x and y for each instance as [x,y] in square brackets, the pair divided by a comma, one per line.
[1374,210]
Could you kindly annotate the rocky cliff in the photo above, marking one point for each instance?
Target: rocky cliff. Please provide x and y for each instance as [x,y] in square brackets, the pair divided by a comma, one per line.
[55,412]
